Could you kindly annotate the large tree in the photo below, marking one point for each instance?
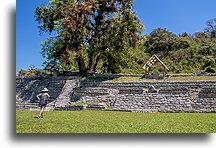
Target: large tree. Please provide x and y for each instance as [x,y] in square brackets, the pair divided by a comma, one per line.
[210,30]
[88,30]
[161,40]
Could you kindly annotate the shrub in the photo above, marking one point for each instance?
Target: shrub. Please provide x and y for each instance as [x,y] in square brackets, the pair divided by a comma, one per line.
[22,72]
[209,69]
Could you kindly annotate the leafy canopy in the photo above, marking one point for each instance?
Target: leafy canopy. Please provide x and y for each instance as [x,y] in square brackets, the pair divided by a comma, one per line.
[87,31]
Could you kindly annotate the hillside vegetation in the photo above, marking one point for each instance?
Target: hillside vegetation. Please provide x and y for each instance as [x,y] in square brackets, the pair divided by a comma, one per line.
[181,53]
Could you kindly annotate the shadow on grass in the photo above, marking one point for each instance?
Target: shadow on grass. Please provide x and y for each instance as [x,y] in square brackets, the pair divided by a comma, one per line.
[166,137]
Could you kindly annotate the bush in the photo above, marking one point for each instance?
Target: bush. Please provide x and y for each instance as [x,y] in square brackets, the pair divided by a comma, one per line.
[22,72]
[209,69]
[37,71]
[31,72]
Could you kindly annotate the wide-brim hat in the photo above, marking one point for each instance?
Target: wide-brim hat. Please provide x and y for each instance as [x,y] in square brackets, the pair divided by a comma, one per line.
[45,90]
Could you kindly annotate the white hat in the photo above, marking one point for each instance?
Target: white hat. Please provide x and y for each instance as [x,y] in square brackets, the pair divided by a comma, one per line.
[45,89]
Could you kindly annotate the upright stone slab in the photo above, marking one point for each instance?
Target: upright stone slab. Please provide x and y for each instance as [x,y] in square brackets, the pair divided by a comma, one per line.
[55,73]
[199,73]
[155,75]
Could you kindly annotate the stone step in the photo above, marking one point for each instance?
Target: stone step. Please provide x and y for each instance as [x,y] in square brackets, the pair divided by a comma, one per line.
[95,106]
[32,107]
[73,107]
[56,83]
[53,89]
[146,84]
[35,104]
[20,106]
[27,107]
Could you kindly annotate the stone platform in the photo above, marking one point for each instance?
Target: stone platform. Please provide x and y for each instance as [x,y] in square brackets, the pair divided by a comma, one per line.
[135,96]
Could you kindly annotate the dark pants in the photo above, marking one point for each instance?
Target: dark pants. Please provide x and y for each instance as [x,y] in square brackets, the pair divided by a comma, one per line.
[43,103]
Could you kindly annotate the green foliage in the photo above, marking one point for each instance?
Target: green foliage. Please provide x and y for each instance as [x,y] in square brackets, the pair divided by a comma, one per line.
[114,122]
[24,73]
[186,58]
[184,53]
[89,31]
[105,36]
[210,29]
[209,69]
[161,40]
[34,71]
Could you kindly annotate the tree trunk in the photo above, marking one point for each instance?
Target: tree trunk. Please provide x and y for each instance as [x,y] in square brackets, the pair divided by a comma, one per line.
[91,63]
[96,62]
[81,64]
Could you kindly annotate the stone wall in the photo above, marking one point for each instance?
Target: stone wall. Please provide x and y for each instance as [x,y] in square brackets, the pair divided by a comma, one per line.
[179,96]
[175,96]
[155,102]
[147,84]
[164,103]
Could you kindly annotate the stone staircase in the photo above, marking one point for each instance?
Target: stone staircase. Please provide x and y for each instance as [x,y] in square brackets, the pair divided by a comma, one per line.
[60,90]
[28,88]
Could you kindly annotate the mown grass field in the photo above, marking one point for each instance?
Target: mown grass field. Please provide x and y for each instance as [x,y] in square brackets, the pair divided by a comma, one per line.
[123,78]
[88,121]
[188,78]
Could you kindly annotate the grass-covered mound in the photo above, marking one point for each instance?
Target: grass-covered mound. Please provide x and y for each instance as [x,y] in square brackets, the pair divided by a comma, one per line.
[114,122]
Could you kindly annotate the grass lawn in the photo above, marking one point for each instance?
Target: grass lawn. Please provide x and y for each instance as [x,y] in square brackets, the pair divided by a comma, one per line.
[188,78]
[88,121]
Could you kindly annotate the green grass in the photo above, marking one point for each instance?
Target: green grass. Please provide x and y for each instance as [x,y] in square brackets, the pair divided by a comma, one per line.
[189,78]
[114,122]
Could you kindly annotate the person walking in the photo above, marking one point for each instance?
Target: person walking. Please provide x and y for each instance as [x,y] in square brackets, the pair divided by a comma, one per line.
[43,98]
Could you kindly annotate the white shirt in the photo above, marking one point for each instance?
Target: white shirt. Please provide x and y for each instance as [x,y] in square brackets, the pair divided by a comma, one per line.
[44,96]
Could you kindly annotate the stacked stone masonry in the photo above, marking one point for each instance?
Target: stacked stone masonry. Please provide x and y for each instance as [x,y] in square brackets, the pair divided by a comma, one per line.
[171,96]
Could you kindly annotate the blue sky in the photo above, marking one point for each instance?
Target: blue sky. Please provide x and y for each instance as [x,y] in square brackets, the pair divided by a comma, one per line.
[177,16]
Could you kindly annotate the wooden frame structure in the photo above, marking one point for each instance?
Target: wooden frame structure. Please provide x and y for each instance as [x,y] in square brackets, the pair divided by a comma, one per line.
[153,60]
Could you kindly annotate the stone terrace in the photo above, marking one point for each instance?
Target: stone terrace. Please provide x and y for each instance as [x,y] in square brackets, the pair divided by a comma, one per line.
[169,96]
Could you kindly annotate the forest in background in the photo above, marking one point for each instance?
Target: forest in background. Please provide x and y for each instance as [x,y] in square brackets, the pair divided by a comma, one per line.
[182,53]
